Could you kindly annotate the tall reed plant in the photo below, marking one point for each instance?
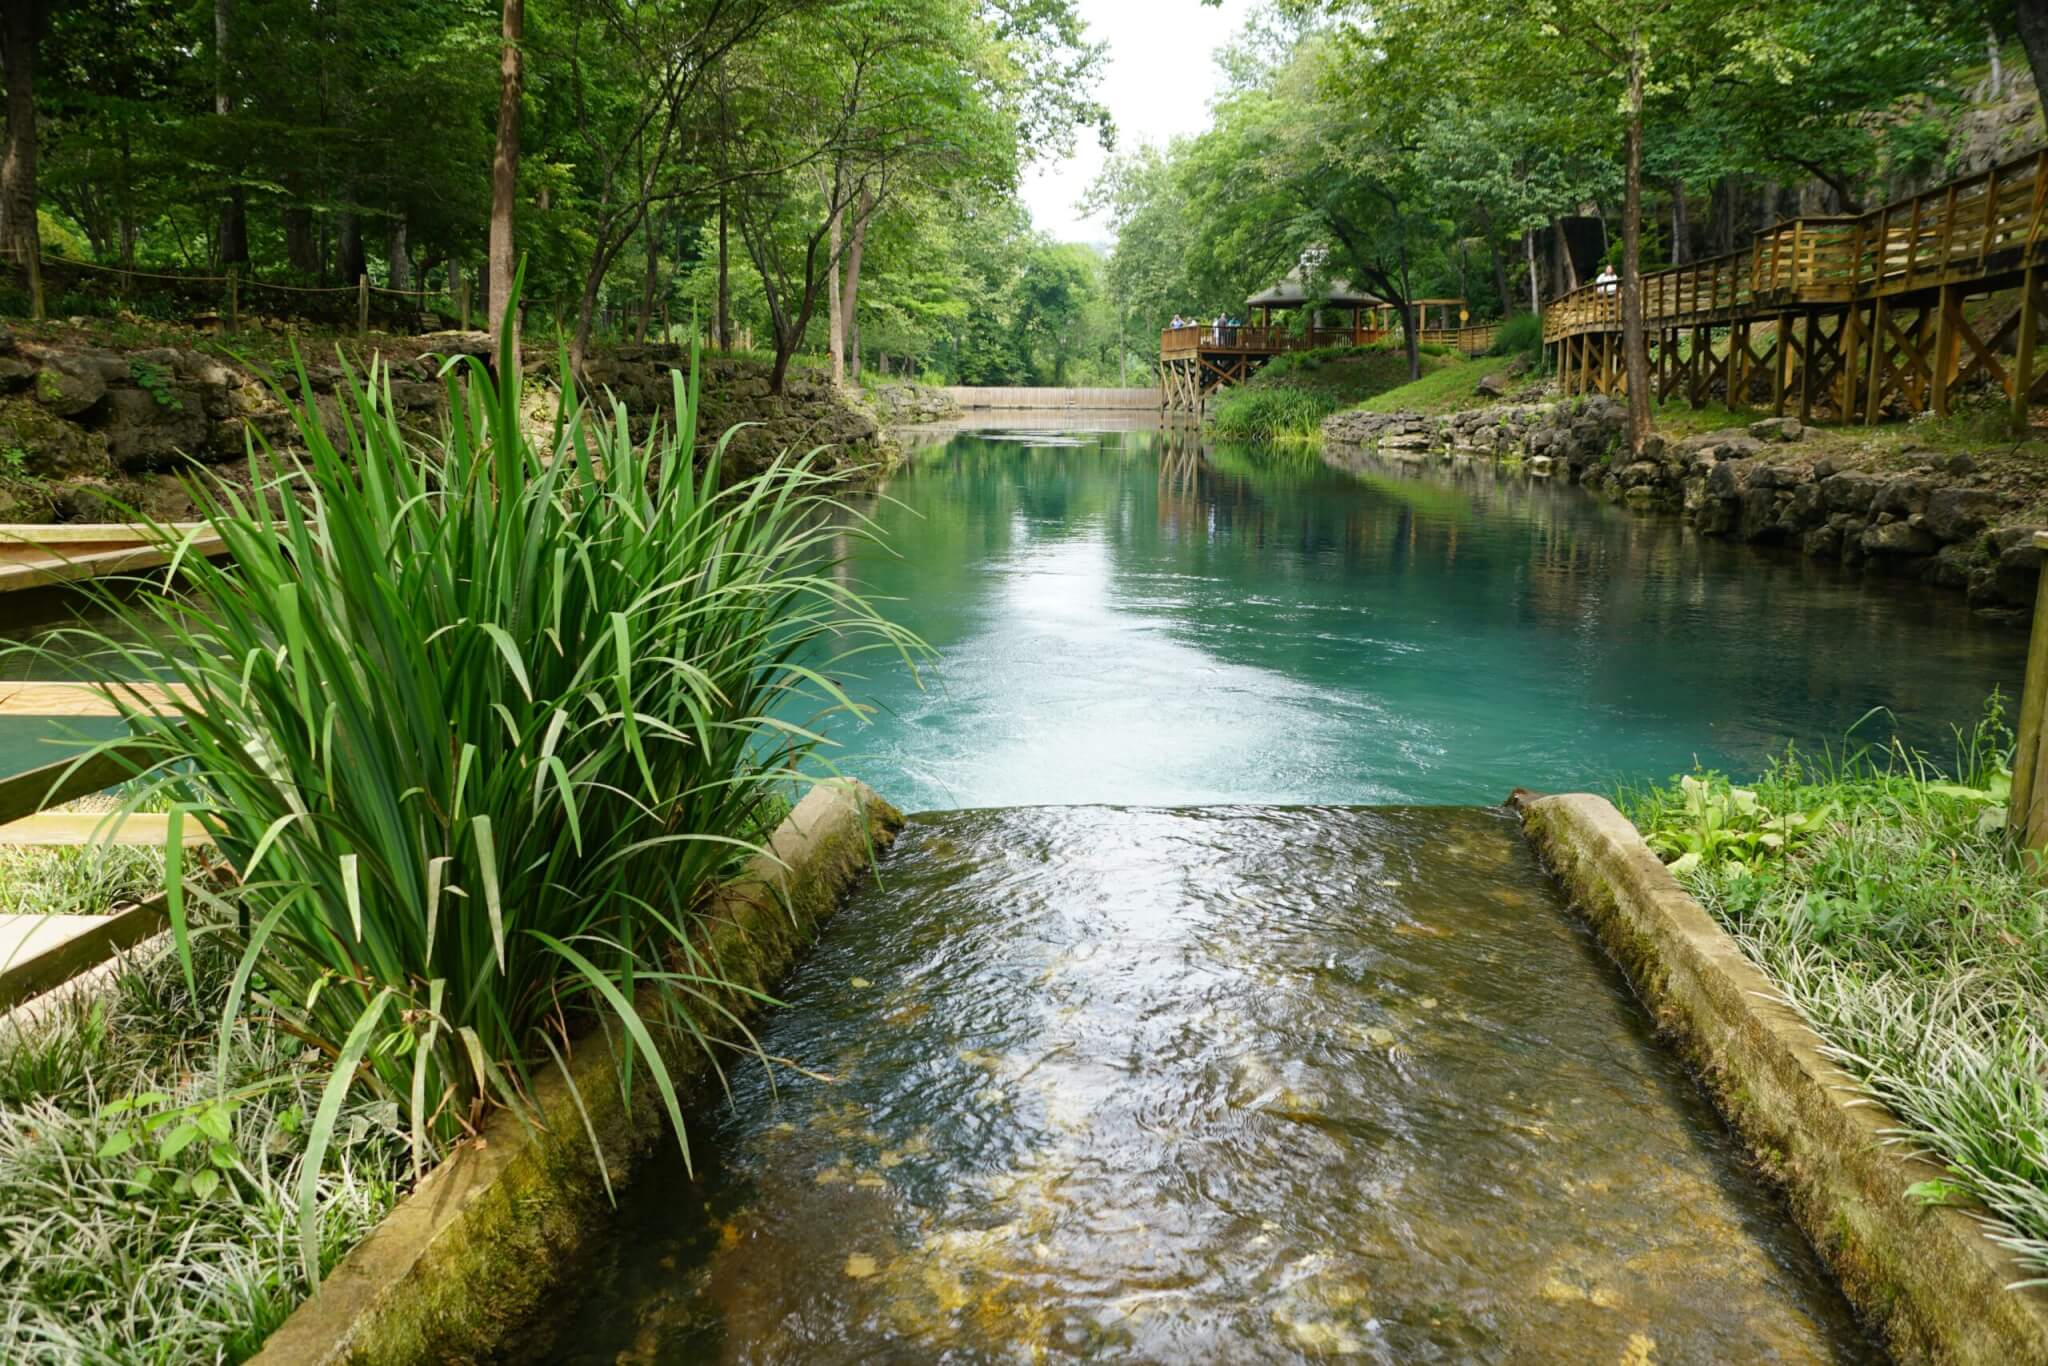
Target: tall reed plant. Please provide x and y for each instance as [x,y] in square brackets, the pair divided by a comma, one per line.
[480,720]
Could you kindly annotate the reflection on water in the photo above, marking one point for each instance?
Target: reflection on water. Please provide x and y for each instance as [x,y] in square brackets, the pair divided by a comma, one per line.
[1136,619]
[1230,1084]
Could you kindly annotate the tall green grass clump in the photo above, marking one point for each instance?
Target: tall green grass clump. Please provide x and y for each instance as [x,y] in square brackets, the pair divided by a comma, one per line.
[1278,415]
[481,720]
[1519,335]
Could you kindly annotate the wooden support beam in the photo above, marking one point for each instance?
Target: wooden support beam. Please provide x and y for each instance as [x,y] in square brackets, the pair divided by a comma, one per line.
[1807,358]
[2023,357]
[1738,375]
[1945,319]
[1783,368]
[1851,335]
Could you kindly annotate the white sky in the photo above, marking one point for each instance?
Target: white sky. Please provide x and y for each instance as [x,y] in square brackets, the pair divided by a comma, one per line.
[1157,81]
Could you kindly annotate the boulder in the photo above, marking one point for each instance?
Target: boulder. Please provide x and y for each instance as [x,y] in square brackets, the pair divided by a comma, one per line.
[68,385]
[1778,429]
[145,432]
[1849,491]
[1957,514]
[1902,495]
[48,446]
[1898,538]
[1492,386]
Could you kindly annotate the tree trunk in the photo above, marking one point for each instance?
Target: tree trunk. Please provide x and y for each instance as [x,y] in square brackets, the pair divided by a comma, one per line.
[1535,281]
[349,261]
[234,212]
[504,261]
[1500,268]
[2031,17]
[398,274]
[835,321]
[299,247]
[648,280]
[22,23]
[1635,351]
[724,280]
[1567,269]
[855,250]
[1681,226]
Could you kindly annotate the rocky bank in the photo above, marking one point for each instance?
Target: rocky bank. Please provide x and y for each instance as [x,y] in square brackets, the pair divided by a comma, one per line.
[91,427]
[1938,518]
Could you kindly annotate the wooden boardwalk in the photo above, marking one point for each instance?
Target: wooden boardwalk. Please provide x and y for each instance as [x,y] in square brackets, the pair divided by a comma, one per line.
[1195,362]
[1864,315]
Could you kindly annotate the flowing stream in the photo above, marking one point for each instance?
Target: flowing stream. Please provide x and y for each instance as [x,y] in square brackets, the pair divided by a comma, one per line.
[1220,1084]
[1172,1077]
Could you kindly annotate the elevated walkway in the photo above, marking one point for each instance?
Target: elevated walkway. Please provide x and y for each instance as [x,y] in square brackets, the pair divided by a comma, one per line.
[1864,314]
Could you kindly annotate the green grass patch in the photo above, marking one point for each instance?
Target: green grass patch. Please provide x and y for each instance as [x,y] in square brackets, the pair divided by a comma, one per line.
[1278,415]
[163,1226]
[1882,895]
[1444,389]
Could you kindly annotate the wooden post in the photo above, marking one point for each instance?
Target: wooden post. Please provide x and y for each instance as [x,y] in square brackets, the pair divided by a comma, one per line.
[362,303]
[234,296]
[1873,392]
[1783,369]
[1944,342]
[2023,358]
[2027,806]
[1810,345]
[1738,352]
[1851,336]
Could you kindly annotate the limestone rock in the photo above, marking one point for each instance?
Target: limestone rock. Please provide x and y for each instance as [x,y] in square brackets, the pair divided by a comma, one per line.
[1956,514]
[1778,429]
[68,385]
[1898,538]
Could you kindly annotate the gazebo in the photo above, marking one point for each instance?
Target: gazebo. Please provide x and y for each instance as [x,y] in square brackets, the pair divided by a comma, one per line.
[1293,292]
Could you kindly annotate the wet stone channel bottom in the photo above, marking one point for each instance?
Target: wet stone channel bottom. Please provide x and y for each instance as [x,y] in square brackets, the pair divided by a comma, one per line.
[1216,1084]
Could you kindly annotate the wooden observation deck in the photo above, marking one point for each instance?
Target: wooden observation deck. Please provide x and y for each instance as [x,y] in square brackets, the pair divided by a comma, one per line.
[1858,315]
[1195,362]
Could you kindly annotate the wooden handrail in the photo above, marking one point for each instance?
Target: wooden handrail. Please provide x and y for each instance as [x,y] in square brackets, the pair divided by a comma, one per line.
[1825,258]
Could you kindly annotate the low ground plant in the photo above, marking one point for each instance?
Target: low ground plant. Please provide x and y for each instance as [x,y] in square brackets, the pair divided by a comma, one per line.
[150,1168]
[481,722]
[1279,415]
[1520,335]
[1880,893]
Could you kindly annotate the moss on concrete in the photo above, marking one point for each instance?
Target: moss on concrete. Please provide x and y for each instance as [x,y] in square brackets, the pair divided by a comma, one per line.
[473,1253]
[1927,1276]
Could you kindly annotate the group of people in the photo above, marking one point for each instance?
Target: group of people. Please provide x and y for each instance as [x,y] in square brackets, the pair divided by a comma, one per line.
[1216,328]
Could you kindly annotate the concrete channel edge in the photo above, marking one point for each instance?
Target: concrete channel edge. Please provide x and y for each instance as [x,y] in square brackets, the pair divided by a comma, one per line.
[463,1260]
[1927,1277]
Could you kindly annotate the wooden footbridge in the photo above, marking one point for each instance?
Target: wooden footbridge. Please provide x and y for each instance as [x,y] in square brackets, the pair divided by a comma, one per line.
[1196,361]
[1854,317]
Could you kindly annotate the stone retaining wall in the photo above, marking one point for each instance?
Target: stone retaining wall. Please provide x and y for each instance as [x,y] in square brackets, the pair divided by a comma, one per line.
[1937,520]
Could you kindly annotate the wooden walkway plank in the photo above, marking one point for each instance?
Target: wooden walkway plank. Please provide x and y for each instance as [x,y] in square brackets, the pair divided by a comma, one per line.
[38,952]
[79,829]
[60,698]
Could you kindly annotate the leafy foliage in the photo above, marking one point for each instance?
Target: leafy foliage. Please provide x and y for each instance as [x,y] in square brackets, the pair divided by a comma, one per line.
[480,723]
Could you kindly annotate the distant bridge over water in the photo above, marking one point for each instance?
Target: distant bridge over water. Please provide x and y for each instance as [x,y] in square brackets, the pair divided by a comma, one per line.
[1076,400]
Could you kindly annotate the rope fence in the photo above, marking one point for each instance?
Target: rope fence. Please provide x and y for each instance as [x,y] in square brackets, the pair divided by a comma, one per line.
[451,301]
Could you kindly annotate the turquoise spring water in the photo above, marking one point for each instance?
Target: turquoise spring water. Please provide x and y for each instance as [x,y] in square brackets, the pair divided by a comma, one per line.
[1122,617]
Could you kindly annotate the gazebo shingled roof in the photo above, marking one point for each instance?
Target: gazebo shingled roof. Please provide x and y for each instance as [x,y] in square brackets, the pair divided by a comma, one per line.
[1293,293]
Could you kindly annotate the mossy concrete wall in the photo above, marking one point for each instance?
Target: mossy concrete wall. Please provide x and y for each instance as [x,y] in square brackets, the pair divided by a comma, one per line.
[467,1257]
[1927,1276]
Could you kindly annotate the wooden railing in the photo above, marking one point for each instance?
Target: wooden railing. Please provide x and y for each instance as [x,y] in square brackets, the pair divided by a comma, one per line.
[1965,230]
[1176,343]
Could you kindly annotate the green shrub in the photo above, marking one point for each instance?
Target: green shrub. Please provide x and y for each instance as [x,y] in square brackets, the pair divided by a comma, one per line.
[1520,335]
[1271,414]
[480,722]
